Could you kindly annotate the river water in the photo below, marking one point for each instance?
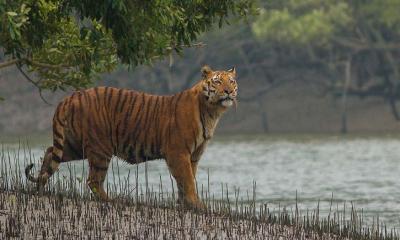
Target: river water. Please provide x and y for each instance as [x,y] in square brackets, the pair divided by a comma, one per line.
[359,170]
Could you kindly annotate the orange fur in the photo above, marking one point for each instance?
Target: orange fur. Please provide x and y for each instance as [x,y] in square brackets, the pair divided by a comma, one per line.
[102,122]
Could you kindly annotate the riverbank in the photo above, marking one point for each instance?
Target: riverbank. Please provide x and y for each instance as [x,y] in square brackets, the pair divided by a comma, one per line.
[28,216]
[147,210]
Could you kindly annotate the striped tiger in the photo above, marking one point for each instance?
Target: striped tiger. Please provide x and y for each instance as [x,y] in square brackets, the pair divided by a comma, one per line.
[102,122]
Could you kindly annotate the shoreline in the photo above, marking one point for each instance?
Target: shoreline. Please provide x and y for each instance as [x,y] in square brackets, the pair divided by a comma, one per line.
[57,216]
[28,216]
[67,210]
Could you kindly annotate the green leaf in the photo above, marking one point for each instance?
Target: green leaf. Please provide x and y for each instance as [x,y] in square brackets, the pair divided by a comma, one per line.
[12,14]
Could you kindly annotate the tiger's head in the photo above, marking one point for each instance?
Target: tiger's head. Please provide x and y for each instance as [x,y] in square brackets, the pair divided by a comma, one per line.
[219,87]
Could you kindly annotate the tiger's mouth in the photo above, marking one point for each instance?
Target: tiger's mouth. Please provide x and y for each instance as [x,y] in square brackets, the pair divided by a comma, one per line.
[226,101]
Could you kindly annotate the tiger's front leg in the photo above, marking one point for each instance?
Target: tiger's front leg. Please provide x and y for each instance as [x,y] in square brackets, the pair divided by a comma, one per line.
[181,169]
[98,166]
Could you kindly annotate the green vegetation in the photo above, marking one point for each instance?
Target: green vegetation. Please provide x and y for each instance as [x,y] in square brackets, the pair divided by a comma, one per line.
[69,42]
[340,50]
[51,42]
[356,41]
[344,49]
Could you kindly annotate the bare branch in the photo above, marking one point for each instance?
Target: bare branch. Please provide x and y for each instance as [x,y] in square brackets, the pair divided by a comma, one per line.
[9,63]
[45,65]
[196,45]
[35,84]
[264,90]
[360,46]
[33,63]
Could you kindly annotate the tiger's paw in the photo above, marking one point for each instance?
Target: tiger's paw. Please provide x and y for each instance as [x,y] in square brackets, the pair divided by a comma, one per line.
[195,205]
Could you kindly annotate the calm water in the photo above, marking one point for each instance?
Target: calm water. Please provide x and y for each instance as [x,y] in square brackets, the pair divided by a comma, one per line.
[363,171]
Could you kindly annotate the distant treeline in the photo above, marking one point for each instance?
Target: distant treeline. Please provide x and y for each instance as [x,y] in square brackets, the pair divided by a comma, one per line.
[302,66]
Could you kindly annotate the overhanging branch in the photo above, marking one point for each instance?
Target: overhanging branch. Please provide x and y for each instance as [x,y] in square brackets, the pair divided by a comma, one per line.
[32,63]
[34,83]
[9,63]
[45,65]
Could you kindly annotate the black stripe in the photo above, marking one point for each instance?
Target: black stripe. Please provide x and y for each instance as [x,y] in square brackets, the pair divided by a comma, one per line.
[59,122]
[175,110]
[117,134]
[98,155]
[139,118]
[122,122]
[56,158]
[57,118]
[187,147]
[118,100]
[88,100]
[110,96]
[151,111]
[159,135]
[131,156]
[202,122]
[146,120]
[110,134]
[74,150]
[96,121]
[170,125]
[80,116]
[99,168]
[105,95]
[58,145]
[195,138]
[141,155]
[56,133]
[209,114]
[72,119]
[156,124]
[129,112]
[103,116]
[156,121]
[96,91]
[123,102]
[133,134]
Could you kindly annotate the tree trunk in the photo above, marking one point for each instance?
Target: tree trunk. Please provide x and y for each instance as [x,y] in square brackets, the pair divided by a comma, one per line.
[347,82]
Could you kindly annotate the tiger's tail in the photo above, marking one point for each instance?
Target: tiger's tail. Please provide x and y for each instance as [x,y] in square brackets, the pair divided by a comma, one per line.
[54,155]
[29,176]
[44,169]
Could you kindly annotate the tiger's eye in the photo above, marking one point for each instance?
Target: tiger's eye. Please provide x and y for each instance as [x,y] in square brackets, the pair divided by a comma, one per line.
[217,81]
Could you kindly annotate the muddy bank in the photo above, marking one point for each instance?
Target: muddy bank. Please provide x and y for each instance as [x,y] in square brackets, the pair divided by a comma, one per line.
[27,216]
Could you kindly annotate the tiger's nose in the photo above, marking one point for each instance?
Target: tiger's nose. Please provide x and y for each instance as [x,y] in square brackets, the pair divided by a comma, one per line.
[228,91]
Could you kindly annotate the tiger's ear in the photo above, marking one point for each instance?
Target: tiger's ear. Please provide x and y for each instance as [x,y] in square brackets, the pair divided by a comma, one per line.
[206,71]
[233,71]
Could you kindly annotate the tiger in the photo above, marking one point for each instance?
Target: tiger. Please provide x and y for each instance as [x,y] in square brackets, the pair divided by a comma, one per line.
[102,122]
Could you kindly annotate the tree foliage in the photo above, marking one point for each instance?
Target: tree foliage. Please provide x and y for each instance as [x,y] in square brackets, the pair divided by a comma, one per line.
[358,38]
[67,43]
[302,22]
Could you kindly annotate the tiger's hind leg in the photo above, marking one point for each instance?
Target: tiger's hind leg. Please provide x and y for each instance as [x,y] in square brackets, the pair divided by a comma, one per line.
[47,169]
[98,166]
[50,164]
[51,161]
[54,155]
